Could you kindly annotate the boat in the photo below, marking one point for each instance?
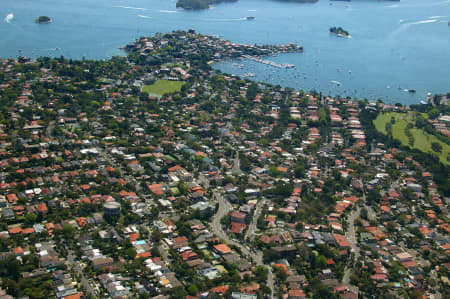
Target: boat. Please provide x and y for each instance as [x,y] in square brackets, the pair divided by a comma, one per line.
[250,18]
[9,18]
[411,90]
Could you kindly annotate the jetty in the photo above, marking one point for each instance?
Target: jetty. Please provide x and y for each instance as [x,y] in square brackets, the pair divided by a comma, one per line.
[268,62]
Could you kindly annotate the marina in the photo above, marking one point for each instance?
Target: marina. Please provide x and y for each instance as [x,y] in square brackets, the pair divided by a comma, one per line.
[268,62]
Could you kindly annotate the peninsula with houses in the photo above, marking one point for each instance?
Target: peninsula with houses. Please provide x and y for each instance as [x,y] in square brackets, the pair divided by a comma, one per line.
[152,175]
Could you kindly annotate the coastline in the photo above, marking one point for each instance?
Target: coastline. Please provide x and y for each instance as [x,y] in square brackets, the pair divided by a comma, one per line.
[403,70]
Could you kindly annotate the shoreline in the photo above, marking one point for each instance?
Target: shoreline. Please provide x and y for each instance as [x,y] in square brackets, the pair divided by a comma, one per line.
[272,50]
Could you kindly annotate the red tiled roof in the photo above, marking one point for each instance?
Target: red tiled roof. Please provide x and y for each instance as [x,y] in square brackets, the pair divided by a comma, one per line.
[27,231]
[42,208]
[15,230]
[237,228]
[220,289]
[18,250]
[133,237]
[342,242]
[180,240]
[296,293]
[74,296]
[82,221]
[222,248]
[143,254]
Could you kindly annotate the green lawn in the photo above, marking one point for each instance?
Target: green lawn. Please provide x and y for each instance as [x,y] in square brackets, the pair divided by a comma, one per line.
[422,140]
[162,87]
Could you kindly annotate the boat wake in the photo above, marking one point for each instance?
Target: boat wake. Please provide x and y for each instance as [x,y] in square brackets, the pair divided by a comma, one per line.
[404,26]
[424,22]
[393,6]
[438,17]
[168,11]
[131,7]
[144,17]
[224,20]
[9,18]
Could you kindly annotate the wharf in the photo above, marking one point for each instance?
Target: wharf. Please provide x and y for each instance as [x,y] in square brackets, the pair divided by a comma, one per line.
[268,62]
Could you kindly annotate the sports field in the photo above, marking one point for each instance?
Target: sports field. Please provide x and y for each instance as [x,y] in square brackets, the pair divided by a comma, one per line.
[422,140]
[162,87]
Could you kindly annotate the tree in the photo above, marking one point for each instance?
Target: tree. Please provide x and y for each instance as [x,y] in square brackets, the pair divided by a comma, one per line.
[436,146]
[322,262]
[68,231]
[420,121]
[260,273]
[131,253]
[178,292]
[273,171]
[30,219]
[299,172]
[433,113]
[192,290]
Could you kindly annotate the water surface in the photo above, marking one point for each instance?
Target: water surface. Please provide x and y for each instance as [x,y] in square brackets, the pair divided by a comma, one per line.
[395,46]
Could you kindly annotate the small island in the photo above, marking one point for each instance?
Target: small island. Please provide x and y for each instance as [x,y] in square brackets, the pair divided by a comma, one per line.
[43,20]
[339,31]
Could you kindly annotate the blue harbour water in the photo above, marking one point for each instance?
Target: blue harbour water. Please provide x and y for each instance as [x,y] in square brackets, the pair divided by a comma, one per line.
[395,46]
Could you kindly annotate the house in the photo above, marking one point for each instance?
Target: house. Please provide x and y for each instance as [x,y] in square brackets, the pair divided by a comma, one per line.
[42,208]
[237,217]
[239,295]
[222,249]
[237,228]
[341,241]
[285,250]
[102,262]
[296,294]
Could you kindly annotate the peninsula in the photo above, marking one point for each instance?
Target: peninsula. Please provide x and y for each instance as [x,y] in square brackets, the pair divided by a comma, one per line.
[152,175]
[43,20]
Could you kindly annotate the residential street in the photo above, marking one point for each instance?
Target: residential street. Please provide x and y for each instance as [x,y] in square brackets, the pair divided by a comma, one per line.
[80,272]
[256,214]
[352,239]
[225,207]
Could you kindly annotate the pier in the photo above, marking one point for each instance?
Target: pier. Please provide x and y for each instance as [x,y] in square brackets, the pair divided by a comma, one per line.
[268,62]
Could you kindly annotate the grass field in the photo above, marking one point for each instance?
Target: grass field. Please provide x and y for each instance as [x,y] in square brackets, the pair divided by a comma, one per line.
[162,87]
[422,140]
